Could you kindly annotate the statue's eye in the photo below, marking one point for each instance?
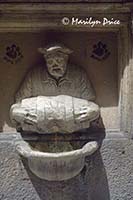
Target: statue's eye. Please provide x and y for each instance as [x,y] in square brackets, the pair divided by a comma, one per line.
[49,61]
[60,60]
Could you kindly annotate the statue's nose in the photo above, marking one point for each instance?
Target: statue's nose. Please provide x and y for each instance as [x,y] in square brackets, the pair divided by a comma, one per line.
[56,63]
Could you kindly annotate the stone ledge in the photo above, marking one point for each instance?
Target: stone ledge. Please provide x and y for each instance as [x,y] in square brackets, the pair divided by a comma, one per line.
[110,135]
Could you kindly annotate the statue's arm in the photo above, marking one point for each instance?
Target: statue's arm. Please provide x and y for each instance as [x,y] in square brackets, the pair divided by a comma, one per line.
[86,112]
[25,89]
[86,89]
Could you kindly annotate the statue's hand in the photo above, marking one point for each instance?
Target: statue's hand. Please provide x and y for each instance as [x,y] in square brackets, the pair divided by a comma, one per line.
[82,115]
[86,113]
[21,115]
[30,118]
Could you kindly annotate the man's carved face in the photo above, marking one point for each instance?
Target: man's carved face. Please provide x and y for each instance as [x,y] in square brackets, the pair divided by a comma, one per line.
[56,64]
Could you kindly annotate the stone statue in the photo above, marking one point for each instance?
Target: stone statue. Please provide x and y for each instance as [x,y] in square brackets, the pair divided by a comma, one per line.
[56,97]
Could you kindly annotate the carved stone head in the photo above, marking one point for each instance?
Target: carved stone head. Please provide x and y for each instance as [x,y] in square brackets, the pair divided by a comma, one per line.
[56,57]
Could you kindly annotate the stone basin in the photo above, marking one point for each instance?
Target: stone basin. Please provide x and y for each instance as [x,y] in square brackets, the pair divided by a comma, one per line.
[55,161]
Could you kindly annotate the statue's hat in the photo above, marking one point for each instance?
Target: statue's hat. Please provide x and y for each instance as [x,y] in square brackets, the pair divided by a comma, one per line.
[54,48]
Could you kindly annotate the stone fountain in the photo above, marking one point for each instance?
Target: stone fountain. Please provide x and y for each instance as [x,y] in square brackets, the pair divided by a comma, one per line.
[55,101]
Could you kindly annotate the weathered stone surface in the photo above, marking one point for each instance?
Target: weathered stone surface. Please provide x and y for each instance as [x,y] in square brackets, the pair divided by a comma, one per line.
[62,113]
[56,166]
[56,97]
[107,176]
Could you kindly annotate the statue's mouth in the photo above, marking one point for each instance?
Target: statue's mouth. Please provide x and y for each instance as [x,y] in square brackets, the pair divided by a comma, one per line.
[57,70]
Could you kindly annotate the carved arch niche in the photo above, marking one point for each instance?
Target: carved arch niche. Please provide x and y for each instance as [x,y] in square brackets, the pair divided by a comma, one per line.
[29,26]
